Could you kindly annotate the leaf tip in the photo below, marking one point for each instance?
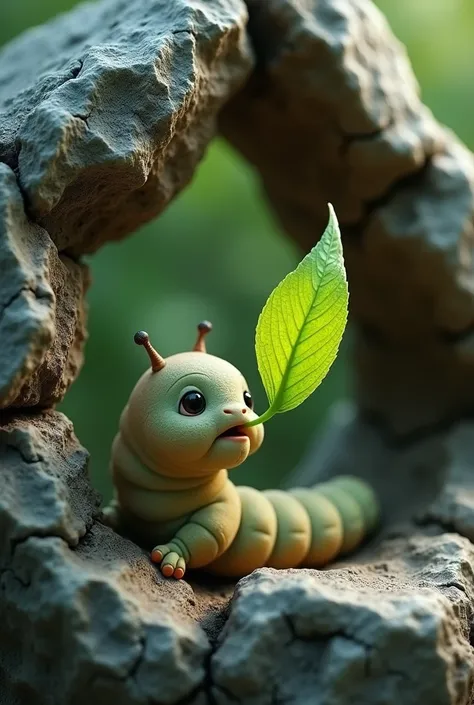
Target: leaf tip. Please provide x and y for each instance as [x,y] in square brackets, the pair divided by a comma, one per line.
[332,215]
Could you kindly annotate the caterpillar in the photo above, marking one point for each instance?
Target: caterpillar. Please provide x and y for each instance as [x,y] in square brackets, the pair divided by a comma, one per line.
[180,433]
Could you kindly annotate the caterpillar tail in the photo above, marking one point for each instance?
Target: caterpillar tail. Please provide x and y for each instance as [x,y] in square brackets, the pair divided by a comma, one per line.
[304,527]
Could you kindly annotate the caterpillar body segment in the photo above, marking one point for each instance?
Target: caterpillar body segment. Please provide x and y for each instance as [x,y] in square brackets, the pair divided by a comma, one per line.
[326,527]
[255,537]
[305,529]
[184,425]
[351,513]
[364,495]
[293,530]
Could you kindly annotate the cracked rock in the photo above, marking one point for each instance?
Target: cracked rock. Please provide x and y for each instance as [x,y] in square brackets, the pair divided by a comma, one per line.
[395,630]
[108,122]
[95,619]
[332,114]
[86,616]
[42,315]
[45,488]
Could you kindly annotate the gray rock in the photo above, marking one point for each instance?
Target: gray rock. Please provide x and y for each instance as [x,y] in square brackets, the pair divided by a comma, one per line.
[45,488]
[426,480]
[395,630]
[333,114]
[85,616]
[42,316]
[109,121]
[92,625]
[453,506]
[414,352]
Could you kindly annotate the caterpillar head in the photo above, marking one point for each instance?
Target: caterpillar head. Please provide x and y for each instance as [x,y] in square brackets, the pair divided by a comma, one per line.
[185,415]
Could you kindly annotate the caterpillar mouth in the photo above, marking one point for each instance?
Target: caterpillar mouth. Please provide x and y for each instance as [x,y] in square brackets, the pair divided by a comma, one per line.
[233,432]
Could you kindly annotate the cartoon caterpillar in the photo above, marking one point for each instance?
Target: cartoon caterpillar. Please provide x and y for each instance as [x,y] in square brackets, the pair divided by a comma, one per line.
[182,425]
[190,419]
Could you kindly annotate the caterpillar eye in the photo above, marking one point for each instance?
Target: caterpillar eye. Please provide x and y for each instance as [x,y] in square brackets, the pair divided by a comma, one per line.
[192,404]
[248,400]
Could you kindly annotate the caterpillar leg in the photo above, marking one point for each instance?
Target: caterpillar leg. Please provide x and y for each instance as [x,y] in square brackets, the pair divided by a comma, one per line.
[204,537]
[255,539]
[173,564]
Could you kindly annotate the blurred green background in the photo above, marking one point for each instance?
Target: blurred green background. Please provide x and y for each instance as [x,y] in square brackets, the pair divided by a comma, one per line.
[235,255]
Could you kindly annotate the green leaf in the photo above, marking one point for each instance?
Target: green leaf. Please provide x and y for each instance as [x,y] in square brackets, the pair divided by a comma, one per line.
[301,325]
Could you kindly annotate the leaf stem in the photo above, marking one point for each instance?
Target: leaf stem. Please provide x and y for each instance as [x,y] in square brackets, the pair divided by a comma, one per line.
[261,419]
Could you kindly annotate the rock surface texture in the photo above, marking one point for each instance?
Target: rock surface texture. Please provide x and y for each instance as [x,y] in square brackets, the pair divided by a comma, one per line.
[104,114]
[42,316]
[109,120]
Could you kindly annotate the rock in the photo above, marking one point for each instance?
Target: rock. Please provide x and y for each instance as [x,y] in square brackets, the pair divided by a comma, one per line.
[97,626]
[63,361]
[345,130]
[332,114]
[85,615]
[417,344]
[42,316]
[452,509]
[109,121]
[45,488]
[425,480]
[395,630]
